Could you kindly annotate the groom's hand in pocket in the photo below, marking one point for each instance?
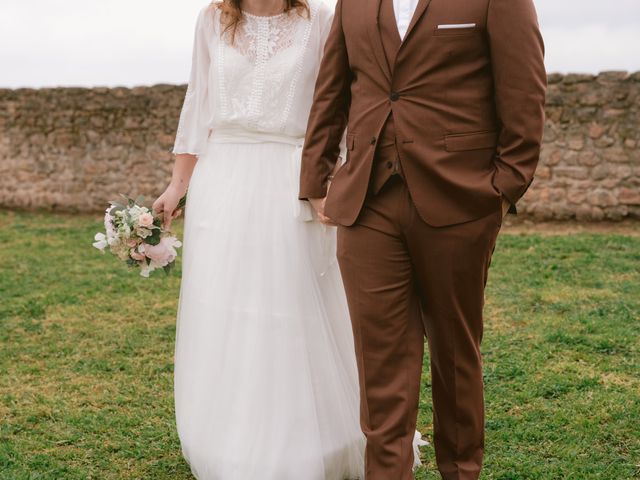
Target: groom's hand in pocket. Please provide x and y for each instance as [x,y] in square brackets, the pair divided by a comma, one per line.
[318,206]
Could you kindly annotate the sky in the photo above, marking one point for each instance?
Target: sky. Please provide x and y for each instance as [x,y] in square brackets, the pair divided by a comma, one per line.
[142,42]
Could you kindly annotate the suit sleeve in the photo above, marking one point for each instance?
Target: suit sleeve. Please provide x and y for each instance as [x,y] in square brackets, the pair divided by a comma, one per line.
[329,113]
[517,55]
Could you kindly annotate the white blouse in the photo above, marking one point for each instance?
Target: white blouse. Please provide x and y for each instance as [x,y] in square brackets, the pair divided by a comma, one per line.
[261,84]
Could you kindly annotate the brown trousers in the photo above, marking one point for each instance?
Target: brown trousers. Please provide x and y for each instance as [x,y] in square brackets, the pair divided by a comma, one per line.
[404,279]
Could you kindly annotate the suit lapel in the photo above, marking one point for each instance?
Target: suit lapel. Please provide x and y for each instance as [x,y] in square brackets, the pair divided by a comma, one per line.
[417,15]
[372,22]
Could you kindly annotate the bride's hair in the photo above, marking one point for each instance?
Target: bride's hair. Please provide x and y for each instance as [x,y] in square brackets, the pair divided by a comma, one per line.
[231,10]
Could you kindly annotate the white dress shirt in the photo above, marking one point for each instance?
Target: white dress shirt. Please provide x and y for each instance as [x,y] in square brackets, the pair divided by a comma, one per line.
[404,10]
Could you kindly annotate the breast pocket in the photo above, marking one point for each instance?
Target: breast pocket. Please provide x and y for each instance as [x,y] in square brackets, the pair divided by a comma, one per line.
[455,30]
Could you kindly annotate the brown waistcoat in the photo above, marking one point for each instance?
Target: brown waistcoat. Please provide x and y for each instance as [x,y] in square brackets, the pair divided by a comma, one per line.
[387,157]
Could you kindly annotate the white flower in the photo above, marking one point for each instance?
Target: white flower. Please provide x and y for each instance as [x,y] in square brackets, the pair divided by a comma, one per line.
[143,232]
[145,220]
[133,213]
[101,241]
[124,230]
[145,270]
[108,225]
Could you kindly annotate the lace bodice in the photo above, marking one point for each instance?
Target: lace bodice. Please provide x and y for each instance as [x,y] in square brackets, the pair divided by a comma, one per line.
[262,82]
[261,38]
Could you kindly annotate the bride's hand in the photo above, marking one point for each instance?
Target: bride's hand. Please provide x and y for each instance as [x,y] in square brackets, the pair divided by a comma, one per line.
[318,206]
[166,205]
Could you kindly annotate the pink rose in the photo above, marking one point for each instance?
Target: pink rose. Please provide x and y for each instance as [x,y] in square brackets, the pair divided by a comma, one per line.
[163,253]
[145,220]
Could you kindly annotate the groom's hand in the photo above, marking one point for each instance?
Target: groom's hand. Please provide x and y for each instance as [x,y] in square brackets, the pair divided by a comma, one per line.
[318,206]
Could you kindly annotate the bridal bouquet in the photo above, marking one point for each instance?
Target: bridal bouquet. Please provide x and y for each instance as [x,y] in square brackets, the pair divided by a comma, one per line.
[134,234]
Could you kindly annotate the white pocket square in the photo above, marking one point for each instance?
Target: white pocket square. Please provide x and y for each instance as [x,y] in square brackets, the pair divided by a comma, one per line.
[449,26]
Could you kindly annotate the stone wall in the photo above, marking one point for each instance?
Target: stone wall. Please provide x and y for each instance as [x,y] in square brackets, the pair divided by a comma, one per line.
[590,163]
[73,149]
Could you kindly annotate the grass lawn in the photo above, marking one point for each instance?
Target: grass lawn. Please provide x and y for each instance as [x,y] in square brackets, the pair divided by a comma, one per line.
[86,352]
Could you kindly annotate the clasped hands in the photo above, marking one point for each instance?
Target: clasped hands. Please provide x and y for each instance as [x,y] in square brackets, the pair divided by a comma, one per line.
[318,206]
[318,203]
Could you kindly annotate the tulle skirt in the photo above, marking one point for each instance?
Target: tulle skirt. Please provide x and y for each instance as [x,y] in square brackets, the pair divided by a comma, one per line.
[266,385]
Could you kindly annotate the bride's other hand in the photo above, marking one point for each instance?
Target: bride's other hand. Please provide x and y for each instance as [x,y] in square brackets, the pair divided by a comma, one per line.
[166,205]
[318,206]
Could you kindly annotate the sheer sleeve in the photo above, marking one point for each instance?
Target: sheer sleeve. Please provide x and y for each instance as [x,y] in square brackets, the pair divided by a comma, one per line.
[193,129]
[325,20]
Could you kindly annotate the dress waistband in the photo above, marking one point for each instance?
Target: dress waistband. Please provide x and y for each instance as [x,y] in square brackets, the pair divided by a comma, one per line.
[239,135]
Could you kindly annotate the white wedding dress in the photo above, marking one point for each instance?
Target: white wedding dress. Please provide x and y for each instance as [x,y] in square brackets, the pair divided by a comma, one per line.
[266,386]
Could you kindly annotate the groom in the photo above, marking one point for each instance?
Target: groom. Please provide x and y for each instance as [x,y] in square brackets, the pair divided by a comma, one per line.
[443,105]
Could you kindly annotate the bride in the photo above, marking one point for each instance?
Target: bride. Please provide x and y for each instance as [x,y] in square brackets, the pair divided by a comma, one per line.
[266,384]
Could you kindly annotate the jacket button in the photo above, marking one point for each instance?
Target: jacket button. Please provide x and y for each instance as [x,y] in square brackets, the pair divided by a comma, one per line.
[394,96]
[389,164]
[373,140]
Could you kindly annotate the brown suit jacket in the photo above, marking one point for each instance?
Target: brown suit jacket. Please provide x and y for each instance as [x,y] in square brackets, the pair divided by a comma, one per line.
[468,106]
